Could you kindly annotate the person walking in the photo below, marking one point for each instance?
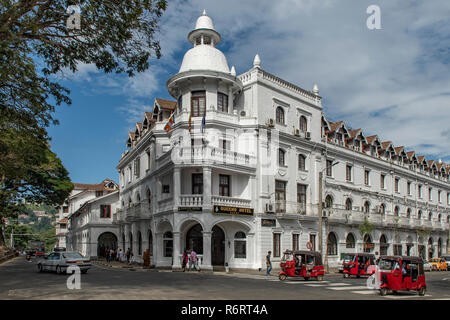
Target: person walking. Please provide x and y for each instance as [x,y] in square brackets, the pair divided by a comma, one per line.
[193,260]
[120,255]
[128,255]
[184,260]
[268,264]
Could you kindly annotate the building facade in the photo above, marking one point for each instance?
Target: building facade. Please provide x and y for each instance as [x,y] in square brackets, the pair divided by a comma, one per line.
[80,194]
[90,230]
[237,166]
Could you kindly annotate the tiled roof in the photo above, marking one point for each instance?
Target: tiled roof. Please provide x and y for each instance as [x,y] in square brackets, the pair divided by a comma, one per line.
[166,104]
[385,144]
[65,220]
[371,139]
[94,187]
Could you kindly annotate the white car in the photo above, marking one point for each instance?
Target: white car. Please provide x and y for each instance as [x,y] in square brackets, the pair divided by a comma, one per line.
[427,266]
[60,261]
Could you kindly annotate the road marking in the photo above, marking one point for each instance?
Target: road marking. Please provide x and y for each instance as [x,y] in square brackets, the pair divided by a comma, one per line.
[340,284]
[316,285]
[348,288]
[365,291]
[406,296]
[307,282]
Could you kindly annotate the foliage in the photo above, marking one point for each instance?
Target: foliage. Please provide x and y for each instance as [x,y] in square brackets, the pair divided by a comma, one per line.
[35,44]
[366,227]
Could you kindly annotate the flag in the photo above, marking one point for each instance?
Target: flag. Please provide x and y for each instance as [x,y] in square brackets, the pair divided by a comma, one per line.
[203,122]
[170,123]
[189,123]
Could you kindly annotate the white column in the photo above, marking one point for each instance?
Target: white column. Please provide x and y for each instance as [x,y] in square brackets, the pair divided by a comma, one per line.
[176,187]
[206,188]
[176,251]
[206,263]
[230,99]
[157,248]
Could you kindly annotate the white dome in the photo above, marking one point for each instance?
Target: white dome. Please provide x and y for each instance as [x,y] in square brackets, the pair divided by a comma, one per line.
[204,57]
[204,22]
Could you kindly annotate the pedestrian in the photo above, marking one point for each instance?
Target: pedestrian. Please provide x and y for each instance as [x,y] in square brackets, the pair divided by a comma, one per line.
[120,255]
[184,260]
[193,260]
[111,254]
[268,263]
[128,255]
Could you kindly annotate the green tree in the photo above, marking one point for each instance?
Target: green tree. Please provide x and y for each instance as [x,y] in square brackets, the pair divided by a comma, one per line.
[22,234]
[36,42]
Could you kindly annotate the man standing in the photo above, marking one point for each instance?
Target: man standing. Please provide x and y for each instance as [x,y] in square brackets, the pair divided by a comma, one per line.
[268,263]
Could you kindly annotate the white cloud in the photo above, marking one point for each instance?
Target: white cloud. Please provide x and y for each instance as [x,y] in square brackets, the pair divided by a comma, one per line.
[392,82]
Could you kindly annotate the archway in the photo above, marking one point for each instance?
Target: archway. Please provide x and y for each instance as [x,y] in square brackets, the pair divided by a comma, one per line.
[350,241]
[150,242]
[106,240]
[383,245]
[430,249]
[367,243]
[194,239]
[217,246]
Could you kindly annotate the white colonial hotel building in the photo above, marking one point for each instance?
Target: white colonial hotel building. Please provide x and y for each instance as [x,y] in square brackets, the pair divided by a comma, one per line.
[247,181]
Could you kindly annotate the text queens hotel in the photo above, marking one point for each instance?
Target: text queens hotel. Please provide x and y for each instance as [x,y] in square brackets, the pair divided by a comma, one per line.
[233,168]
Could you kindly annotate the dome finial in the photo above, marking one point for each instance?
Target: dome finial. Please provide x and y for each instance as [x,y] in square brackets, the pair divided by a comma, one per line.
[316,89]
[204,12]
[233,71]
[257,61]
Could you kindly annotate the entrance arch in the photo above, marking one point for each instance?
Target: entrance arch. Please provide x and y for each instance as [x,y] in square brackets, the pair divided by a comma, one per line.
[217,246]
[383,245]
[104,241]
[194,239]
[367,243]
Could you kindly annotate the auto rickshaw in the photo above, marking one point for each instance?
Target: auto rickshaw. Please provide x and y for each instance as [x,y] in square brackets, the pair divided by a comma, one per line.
[401,273]
[305,264]
[358,264]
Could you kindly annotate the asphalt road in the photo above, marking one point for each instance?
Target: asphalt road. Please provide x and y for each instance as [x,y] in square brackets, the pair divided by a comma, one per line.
[19,279]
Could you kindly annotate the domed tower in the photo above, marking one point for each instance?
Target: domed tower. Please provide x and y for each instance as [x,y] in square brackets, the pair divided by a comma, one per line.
[204,81]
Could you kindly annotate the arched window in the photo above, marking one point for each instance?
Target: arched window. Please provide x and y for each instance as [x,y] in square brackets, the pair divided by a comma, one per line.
[383,245]
[328,201]
[281,157]
[150,242]
[419,215]
[383,209]
[240,245]
[139,243]
[350,241]
[348,204]
[131,241]
[367,207]
[280,115]
[303,124]
[430,216]
[408,213]
[301,162]
[439,247]
[331,244]
[367,243]
[149,196]
[138,198]
[168,244]
[439,217]
[396,211]
[130,203]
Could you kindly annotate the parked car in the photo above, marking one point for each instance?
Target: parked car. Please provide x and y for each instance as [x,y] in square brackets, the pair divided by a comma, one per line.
[447,260]
[439,264]
[427,266]
[60,261]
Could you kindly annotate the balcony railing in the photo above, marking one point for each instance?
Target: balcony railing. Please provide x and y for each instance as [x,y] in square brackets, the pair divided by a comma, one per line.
[232,202]
[283,207]
[191,200]
[211,155]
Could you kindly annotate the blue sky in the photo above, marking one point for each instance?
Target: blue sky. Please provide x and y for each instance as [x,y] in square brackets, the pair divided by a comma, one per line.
[394,82]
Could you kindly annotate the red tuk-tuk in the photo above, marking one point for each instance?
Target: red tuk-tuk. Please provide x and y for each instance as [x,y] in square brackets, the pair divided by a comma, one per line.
[401,273]
[358,264]
[305,264]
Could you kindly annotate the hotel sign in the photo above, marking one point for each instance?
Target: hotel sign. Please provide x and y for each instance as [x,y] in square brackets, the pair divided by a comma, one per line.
[190,208]
[268,222]
[233,210]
